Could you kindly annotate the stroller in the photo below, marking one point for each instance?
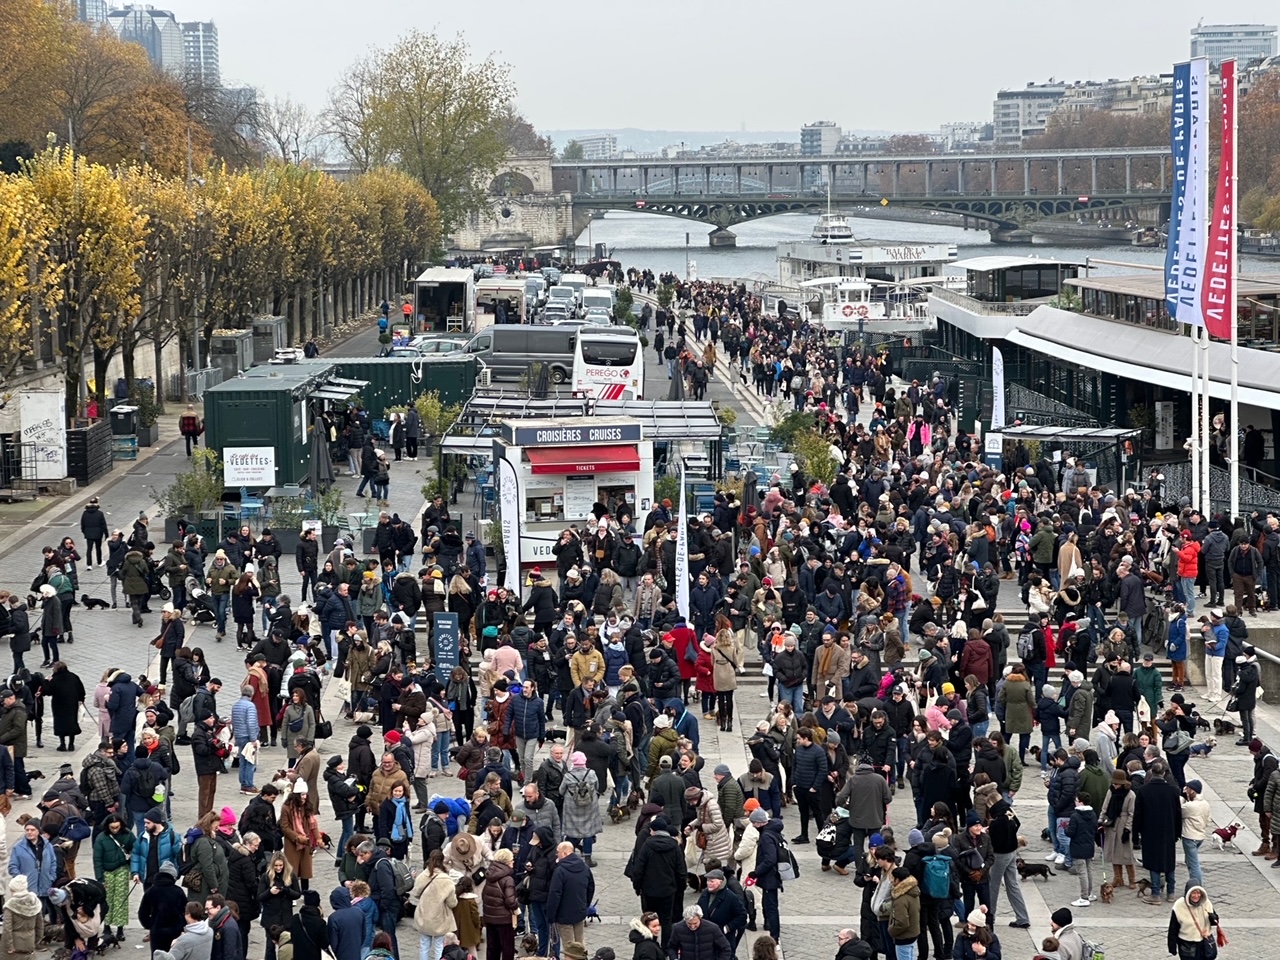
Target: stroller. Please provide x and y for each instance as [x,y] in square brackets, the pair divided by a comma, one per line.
[199,602]
[155,582]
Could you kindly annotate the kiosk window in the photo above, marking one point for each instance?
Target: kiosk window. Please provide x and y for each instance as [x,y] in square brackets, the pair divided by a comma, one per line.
[545,504]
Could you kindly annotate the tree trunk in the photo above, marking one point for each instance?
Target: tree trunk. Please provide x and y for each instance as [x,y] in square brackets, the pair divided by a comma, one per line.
[158,354]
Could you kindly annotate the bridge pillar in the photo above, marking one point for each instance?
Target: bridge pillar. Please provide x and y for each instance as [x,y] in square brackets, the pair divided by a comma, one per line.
[928,179]
[992,166]
[721,238]
[960,178]
[1093,174]
[1062,186]
[1128,174]
[1026,178]
[894,180]
[738,172]
[1162,177]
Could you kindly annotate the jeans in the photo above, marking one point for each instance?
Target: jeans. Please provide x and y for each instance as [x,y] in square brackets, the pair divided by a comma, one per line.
[1045,740]
[980,728]
[540,929]
[1246,724]
[1188,588]
[348,830]
[308,577]
[430,948]
[246,768]
[903,756]
[440,752]
[586,844]
[1217,586]
[1155,883]
[1191,852]
[792,695]
[1004,869]
[904,951]
[220,603]
[1062,844]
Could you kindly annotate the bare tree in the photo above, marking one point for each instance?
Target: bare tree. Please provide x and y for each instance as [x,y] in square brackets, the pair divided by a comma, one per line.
[289,129]
[350,119]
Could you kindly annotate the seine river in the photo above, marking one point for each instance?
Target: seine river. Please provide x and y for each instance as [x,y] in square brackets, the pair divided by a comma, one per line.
[657,242]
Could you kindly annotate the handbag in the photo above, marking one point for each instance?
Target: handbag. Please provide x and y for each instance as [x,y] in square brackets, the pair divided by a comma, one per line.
[1233,704]
[158,642]
[324,729]
[1208,944]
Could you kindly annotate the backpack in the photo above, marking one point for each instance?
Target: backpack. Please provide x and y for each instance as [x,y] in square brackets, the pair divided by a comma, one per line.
[580,791]
[192,874]
[788,866]
[403,876]
[75,828]
[146,783]
[1026,643]
[937,876]
[1091,950]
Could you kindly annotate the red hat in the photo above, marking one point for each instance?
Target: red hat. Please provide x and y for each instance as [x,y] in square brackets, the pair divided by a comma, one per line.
[536,571]
[391,736]
[493,594]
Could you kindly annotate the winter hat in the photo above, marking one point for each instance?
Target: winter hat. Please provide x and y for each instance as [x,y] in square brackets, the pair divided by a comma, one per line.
[973,819]
[391,736]
[914,838]
[332,762]
[1196,786]
[1061,917]
[300,787]
[156,815]
[722,770]
[168,867]
[977,917]
[661,721]
[759,816]
[17,885]
[578,759]
[311,898]
[659,824]
[364,730]
[942,839]
[58,896]
[750,805]
[220,555]
[1111,718]
[227,818]
[1255,745]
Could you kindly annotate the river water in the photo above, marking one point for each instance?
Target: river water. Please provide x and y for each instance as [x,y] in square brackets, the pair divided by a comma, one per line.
[658,242]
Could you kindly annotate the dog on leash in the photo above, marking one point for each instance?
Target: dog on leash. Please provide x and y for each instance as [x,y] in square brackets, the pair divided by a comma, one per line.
[1223,727]
[93,603]
[1144,886]
[1107,892]
[1027,870]
[1204,748]
[1224,836]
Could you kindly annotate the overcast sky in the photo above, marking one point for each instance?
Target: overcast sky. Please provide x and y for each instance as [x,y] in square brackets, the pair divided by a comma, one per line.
[717,65]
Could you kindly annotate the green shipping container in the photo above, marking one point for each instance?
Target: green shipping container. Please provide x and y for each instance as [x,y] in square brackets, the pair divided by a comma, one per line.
[392,383]
[267,408]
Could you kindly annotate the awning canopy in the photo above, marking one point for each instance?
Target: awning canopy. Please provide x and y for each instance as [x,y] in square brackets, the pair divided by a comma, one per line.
[565,461]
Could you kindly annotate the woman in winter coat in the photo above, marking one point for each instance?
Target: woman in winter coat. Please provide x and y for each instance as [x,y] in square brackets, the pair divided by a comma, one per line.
[243,595]
[726,661]
[112,849]
[277,890]
[301,837]
[581,821]
[436,896]
[67,695]
[1018,700]
[51,624]
[1191,922]
[645,936]
[499,905]
[708,823]
[23,929]
[542,860]
[1117,823]
[704,676]
[242,887]
[395,821]
[298,720]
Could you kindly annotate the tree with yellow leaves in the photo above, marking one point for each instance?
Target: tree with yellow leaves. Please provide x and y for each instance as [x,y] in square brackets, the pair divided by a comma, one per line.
[28,278]
[97,236]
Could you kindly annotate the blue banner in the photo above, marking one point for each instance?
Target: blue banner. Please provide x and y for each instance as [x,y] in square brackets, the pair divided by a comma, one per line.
[1180,145]
[444,639]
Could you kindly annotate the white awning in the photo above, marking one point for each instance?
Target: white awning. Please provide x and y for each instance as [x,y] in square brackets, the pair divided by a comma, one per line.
[1152,356]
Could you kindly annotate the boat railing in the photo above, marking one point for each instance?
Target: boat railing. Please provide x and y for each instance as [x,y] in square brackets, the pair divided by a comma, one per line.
[1016,308]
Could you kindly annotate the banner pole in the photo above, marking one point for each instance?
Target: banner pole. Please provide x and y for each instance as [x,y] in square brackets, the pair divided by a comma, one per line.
[1195,415]
[1231,97]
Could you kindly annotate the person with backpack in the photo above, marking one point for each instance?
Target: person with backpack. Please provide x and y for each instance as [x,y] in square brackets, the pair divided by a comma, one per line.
[932,863]
[772,853]
[138,787]
[204,863]
[155,846]
[383,888]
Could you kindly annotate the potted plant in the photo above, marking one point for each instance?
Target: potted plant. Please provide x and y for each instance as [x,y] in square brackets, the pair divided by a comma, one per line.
[143,396]
[287,514]
[193,495]
[330,509]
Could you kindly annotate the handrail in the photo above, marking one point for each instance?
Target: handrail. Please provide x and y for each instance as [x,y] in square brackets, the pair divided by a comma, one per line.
[1017,308]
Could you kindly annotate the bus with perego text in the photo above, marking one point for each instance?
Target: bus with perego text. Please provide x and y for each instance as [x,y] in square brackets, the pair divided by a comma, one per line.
[608,364]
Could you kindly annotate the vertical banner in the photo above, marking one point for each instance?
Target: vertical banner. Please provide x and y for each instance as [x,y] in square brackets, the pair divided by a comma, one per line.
[1179,147]
[1189,264]
[997,389]
[509,516]
[1218,295]
[444,641]
[682,556]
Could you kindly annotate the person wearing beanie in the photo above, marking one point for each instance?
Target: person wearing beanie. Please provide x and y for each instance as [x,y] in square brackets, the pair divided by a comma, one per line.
[657,873]
[309,931]
[1070,943]
[729,796]
[161,912]
[156,845]
[23,920]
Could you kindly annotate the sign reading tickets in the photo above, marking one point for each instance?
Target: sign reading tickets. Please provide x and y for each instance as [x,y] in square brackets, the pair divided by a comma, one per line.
[249,466]
[444,637]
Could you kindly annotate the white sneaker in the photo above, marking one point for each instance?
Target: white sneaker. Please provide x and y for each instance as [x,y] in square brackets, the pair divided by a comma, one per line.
[1082,902]
[1093,897]
[1059,860]
[764,693]
[1051,857]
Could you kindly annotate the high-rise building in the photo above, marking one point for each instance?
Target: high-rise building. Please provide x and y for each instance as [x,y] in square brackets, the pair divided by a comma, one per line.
[200,52]
[156,31]
[92,11]
[819,139]
[1244,41]
[598,146]
[1023,113]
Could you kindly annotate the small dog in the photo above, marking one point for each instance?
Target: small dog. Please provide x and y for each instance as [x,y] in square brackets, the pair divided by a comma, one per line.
[1224,836]
[1144,886]
[93,603]
[1203,749]
[1107,893]
[1201,722]
[1222,726]
[593,914]
[1035,754]
[1026,870]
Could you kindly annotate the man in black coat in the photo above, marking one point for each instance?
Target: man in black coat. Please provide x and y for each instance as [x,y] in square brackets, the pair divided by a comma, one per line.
[163,908]
[694,938]
[1157,818]
[382,888]
[657,875]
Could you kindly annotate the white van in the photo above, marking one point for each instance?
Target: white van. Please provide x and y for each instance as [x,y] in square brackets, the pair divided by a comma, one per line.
[598,297]
[579,282]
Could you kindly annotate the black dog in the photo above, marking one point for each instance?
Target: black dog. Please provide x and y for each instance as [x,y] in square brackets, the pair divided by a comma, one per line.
[93,603]
[1026,870]
[1223,726]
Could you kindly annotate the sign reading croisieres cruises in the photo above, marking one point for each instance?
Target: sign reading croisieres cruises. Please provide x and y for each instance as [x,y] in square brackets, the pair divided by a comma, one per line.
[571,436]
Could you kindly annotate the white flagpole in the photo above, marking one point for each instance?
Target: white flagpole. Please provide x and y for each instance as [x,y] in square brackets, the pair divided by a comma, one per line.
[1206,487]
[1232,289]
[1195,415]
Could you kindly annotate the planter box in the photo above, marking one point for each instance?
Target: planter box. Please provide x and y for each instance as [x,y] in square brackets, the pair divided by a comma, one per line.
[288,540]
[148,436]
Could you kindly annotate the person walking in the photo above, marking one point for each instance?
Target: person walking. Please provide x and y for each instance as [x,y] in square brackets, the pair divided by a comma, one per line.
[1191,925]
[1157,819]
[93,527]
[1197,821]
[1002,829]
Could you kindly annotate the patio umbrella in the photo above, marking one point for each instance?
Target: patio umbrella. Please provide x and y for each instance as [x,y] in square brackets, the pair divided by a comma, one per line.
[542,384]
[321,465]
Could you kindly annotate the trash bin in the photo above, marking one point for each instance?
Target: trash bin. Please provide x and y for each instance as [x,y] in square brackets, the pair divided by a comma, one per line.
[124,421]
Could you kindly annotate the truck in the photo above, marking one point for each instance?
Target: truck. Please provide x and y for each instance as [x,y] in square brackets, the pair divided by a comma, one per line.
[444,300]
[507,292]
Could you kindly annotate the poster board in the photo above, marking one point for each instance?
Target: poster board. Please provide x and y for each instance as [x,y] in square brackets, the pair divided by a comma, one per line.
[43,415]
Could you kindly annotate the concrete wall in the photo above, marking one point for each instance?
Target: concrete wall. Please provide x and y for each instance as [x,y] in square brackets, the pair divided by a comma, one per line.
[529,221]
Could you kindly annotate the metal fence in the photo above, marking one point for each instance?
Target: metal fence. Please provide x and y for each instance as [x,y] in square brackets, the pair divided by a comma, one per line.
[188,385]
[1035,408]
[1253,496]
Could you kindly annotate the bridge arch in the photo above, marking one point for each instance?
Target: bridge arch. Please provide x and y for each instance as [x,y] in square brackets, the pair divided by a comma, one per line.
[511,183]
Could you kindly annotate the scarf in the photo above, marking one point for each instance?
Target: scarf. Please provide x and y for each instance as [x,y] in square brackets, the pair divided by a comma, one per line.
[1115,804]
